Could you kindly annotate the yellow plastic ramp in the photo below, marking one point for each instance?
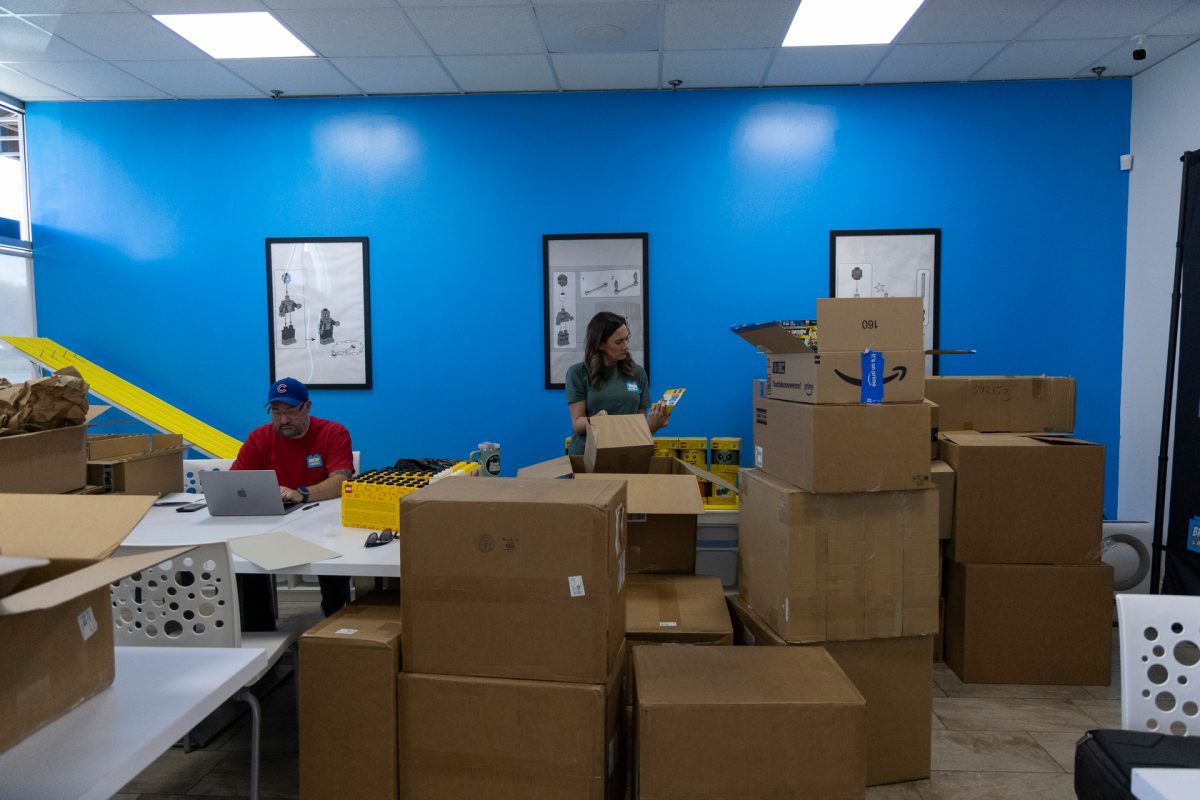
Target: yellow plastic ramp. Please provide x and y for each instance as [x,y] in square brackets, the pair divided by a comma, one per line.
[124,395]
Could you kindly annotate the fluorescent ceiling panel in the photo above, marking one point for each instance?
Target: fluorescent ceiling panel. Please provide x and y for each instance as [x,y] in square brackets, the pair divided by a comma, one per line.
[840,22]
[252,34]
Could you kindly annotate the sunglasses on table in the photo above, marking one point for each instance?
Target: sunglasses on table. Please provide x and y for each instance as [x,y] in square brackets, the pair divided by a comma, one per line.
[377,538]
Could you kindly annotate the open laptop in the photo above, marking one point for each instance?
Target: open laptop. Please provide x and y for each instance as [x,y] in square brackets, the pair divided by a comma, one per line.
[244,493]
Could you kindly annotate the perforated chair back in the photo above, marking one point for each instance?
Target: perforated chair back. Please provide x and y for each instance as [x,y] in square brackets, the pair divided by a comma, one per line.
[1160,663]
[192,467]
[189,601]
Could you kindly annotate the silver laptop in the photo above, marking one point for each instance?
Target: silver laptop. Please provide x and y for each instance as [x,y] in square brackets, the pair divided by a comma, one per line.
[244,493]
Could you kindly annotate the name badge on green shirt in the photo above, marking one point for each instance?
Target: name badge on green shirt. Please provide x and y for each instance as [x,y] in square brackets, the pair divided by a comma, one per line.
[631,386]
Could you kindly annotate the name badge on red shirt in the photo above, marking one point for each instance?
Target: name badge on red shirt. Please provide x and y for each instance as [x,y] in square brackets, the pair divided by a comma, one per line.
[314,461]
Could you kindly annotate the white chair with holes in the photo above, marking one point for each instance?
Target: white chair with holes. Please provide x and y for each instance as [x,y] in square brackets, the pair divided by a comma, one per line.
[191,601]
[1160,663]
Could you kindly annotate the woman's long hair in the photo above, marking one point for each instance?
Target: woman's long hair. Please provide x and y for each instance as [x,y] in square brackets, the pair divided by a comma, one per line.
[603,326]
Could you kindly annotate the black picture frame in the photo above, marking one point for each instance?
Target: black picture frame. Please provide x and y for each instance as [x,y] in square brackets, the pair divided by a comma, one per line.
[898,263]
[581,275]
[324,352]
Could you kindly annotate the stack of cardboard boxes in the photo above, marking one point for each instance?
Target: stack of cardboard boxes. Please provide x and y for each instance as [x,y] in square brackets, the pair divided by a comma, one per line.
[838,527]
[514,636]
[1027,598]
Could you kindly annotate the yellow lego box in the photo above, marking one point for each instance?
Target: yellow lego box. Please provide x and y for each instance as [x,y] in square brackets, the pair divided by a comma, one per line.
[720,495]
[372,500]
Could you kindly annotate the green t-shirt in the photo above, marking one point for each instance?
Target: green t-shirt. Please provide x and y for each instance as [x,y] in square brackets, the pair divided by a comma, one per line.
[618,395]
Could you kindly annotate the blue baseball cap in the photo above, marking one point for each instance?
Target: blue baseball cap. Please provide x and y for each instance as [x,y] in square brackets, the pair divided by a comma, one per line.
[289,391]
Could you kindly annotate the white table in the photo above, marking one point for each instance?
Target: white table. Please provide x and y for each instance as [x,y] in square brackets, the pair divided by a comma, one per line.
[1165,784]
[159,694]
[165,527]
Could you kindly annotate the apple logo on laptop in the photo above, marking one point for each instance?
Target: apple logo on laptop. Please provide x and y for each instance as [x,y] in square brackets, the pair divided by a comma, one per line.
[241,492]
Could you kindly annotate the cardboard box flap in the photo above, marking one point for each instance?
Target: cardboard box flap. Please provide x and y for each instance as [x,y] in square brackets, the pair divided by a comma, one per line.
[620,430]
[516,490]
[13,568]
[60,590]
[93,412]
[555,468]
[880,323]
[774,337]
[68,526]
[1061,440]
[656,494]
[121,447]
[677,607]
[708,476]
[975,439]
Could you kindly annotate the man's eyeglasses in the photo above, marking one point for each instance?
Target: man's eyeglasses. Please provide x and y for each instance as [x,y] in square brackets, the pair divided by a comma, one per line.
[376,538]
[283,413]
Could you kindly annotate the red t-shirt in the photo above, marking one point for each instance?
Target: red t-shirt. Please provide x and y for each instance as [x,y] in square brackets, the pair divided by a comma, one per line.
[323,449]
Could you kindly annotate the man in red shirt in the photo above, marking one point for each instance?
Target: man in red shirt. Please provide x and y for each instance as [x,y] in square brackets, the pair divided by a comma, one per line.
[311,458]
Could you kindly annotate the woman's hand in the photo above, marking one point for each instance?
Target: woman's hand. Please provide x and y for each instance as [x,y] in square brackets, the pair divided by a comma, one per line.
[657,417]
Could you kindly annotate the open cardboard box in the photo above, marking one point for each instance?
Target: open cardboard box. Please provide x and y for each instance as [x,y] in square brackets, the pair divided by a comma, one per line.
[51,461]
[833,372]
[664,503]
[56,624]
[618,443]
[139,463]
[1004,403]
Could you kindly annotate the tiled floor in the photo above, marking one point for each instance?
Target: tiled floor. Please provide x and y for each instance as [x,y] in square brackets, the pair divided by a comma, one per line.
[989,743]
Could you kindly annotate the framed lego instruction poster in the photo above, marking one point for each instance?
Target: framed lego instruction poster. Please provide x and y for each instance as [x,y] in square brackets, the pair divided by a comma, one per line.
[586,273]
[319,311]
[890,263]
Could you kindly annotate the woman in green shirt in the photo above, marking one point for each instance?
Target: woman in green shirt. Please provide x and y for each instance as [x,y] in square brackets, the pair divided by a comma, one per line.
[607,381]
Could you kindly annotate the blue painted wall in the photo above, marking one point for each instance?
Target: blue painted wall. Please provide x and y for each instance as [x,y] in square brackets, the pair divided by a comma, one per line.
[149,220]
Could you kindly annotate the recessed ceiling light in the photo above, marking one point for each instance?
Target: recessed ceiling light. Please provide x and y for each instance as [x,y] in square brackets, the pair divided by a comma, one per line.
[832,22]
[251,34]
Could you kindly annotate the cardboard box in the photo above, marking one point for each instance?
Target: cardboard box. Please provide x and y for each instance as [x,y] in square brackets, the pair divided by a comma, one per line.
[1033,624]
[467,738]
[838,566]
[514,578]
[48,462]
[663,504]
[618,443]
[346,687]
[999,404]
[140,463]
[747,722]
[835,371]
[56,628]
[843,448]
[1025,499]
[934,423]
[942,475]
[939,641]
[893,676]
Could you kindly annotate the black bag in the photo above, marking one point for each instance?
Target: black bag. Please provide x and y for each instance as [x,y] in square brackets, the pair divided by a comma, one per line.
[1104,760]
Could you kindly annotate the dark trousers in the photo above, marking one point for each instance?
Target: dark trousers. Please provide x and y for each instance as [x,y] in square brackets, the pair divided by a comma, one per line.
[256,595]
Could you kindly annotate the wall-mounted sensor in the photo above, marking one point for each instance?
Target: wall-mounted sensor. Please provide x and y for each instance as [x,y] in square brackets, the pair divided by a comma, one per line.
[1139,47]
[1127,162]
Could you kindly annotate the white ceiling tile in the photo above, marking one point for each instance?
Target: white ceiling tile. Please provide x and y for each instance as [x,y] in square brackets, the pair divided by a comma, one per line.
[360,32]
[592,71]
[511,73]
[1042,60]
[712,68]
[600,27]
[446,3]
[413,75]
[1096,19]
[328,4]
[23,87]
[721,24]
[931,63]
[191,79]
[972,20]
[197,6]
[292,76]
[21,41]
[479,31]
[1119,61]
[824,66]
[92,80]
[1184,21]
[60,6]
[122,37]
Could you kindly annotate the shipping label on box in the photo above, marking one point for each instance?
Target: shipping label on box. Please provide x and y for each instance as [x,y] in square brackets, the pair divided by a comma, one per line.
[843,448]
[831,567]
[1004,404]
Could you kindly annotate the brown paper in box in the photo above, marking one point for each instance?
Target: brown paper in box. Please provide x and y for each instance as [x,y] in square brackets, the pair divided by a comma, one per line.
[58,401]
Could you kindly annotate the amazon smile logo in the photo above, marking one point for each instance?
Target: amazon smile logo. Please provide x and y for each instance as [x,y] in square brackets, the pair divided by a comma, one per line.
[898,373]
